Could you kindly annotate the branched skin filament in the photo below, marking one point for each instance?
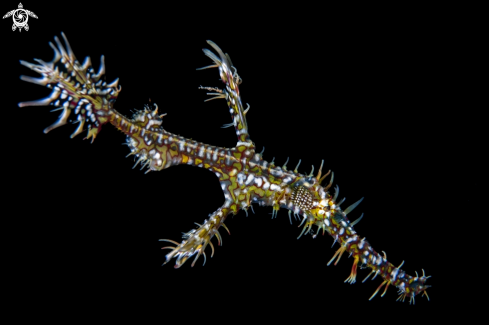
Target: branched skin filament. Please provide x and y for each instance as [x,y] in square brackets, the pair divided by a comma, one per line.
[245,177]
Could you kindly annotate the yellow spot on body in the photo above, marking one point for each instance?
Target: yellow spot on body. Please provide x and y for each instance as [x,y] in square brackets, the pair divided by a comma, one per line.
[198,161]
[224,175]
[257,170]
[269,193]
[238,165]
[232,187]
[184,159]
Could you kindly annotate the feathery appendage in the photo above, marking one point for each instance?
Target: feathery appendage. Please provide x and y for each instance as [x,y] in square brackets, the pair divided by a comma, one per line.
[76,87]
[196,240]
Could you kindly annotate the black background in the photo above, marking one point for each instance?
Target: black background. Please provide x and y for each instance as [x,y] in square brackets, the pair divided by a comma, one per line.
[366,92]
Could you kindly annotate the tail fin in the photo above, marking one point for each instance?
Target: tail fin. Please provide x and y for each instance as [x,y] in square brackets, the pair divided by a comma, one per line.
[75,87]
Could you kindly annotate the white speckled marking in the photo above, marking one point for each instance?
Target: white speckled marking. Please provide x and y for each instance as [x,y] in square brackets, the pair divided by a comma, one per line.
[274,187]
[249,179]
[258,181]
